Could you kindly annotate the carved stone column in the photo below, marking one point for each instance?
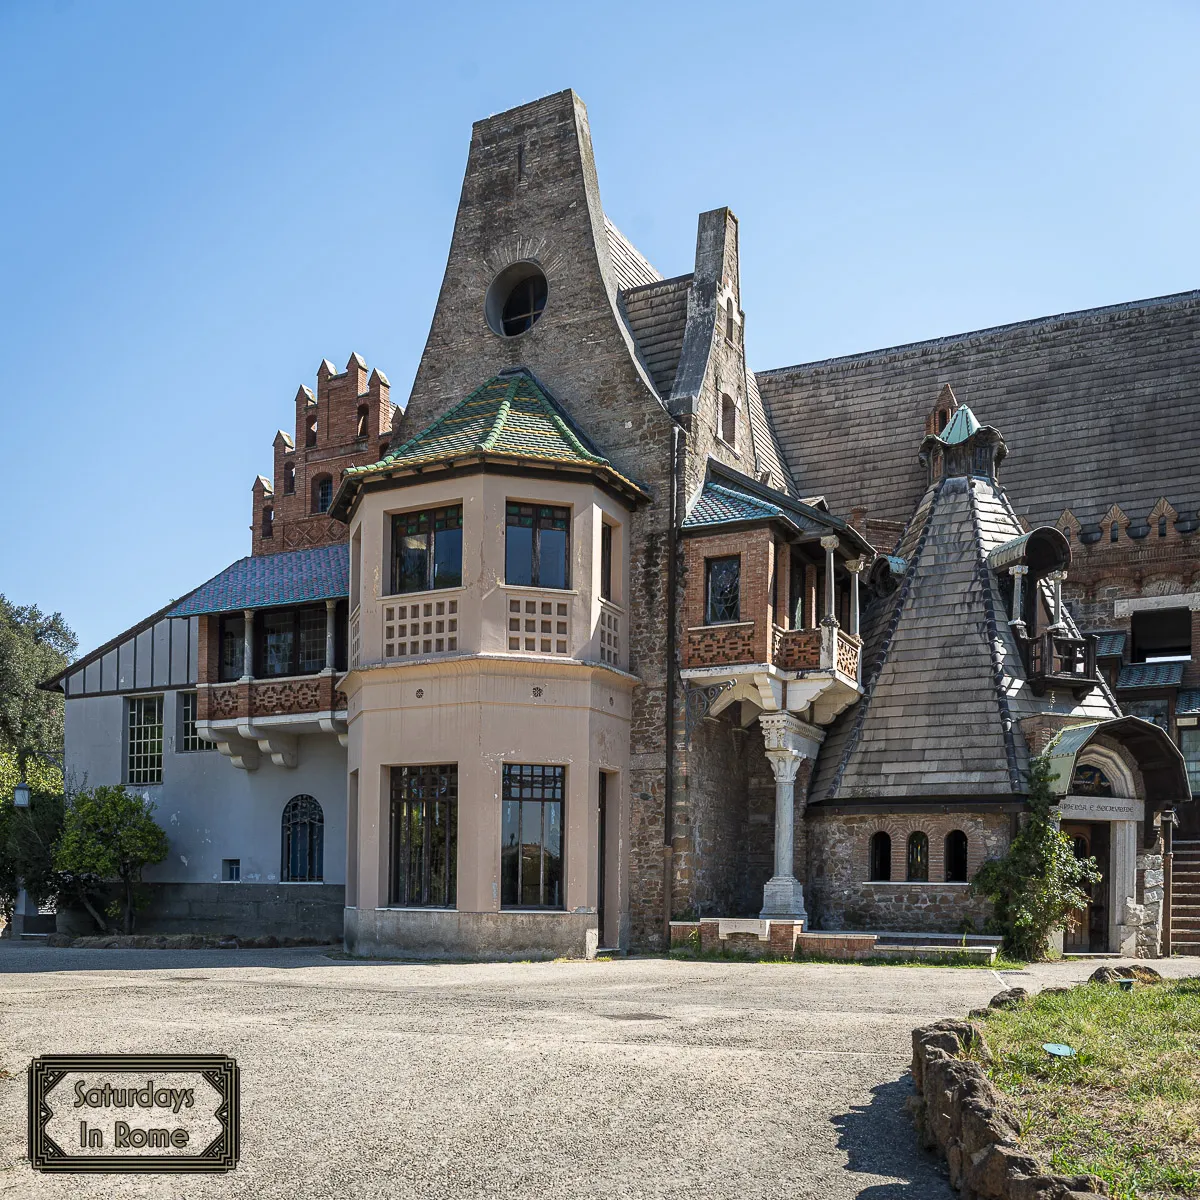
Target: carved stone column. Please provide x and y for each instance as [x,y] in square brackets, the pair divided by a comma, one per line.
[855,567]
[788,741]
[1057,577]
[330,633]
[1018,577]
[829,544]
[248,644]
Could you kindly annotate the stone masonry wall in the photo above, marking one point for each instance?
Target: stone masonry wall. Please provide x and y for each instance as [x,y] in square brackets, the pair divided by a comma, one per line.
[841,895]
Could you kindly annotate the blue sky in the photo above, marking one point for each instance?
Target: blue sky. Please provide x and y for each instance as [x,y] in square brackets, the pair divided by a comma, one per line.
[201,201]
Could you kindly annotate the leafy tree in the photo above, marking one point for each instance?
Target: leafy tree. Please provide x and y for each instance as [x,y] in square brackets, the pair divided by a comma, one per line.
[1037,886]
[28,835]
[109,835]
[33,646]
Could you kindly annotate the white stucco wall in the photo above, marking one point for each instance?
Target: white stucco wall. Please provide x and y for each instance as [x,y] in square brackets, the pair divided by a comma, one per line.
[210,809]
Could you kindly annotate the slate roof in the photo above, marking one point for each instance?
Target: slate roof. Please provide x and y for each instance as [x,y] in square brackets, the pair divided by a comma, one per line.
[629,265]
[944,681]
[656,316]
[1187,701]
[1150,675]
[511,417]
[1110,645]
[1115,380]
[269,580]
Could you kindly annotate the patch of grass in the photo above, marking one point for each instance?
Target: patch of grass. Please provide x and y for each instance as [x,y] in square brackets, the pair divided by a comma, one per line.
[1126,1107]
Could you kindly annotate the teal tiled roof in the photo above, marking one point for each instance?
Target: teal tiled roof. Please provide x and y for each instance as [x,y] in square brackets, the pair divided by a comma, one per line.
[961,426]
[1188,701]
[270,580]
[719,505]
[1151,675]
[1110,645]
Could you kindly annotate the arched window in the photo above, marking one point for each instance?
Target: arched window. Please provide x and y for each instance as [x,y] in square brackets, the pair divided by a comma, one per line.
[956,856]
[363,413]
[303,841]
[728,420]
[322,493]
[1113,532]
[918,858]
[268,521]
[310,430]
[881,857]
[1162,526]
[1090,780]
[289,479]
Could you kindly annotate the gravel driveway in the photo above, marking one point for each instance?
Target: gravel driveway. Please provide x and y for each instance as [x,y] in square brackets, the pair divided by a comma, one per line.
[639,1077]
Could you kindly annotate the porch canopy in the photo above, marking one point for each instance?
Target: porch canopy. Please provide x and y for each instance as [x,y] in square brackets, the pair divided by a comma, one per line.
[1157,757]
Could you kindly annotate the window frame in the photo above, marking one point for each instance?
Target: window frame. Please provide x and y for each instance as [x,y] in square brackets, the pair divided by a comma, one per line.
[709,564]
[729,415]
[188,741]
[446,512]
[294,664]
[1189,747]
[544,516]
[417,780]
[966,857]
[918,839]
[879,865]
[607,545]
[303,803]
[535,777]
[319,484]
[146,745]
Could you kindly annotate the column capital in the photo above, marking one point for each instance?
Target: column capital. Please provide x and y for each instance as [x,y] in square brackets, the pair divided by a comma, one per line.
[784,734]
[248,613]
[330,605]
[1057,576]
[855,565]
[1018,570]
[785,765]
[830,542]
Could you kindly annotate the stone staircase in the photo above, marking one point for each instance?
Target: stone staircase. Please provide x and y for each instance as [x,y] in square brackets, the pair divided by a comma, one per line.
[1185,897]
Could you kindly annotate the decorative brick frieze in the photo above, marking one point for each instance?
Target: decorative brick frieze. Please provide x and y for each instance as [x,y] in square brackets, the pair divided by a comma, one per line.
[721,645]
[797,649]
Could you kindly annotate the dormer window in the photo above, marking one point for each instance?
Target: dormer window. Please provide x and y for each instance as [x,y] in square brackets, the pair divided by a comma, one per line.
[363,415]
[1162,527]
[1113,532]
[322,493]
[728,420]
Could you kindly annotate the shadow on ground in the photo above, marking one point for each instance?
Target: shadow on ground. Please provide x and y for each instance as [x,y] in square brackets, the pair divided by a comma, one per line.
[879,1139]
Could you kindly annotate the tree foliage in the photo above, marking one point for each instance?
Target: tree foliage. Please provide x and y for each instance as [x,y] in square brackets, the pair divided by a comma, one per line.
[109,835]
[1039,884]
[33,646]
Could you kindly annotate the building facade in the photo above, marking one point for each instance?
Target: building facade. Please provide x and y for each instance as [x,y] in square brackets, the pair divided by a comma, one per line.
[602,629]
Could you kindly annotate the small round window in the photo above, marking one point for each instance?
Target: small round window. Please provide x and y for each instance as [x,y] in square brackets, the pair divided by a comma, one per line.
[516,299]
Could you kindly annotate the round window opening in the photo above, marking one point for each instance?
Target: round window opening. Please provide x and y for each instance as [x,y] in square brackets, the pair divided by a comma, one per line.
[516,299]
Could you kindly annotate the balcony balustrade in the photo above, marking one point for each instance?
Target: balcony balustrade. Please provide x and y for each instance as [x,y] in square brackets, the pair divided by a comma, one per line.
[1054,660]
[247,699]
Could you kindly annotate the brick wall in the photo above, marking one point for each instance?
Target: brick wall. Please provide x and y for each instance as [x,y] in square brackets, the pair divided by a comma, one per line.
[336,405]
[841,896]
[746,642]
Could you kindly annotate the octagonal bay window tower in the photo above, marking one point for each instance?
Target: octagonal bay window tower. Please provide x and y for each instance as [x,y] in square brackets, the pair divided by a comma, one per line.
[488,696]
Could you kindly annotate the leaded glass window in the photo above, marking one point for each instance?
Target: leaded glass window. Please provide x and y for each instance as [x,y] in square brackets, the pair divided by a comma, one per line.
[427,550]
[144,748]
[303,841]
[537,545]
[424,836]
[918,858]
[531,852]
[722,590]
[1189,743]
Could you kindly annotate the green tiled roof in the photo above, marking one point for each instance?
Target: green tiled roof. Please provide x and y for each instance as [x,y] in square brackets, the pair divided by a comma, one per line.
[961,426]
[1110,645]
[512,417]
[1149,675]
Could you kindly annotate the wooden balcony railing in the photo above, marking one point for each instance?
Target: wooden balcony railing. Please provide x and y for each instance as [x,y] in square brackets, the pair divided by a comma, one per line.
[246,699]
[1055,660]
